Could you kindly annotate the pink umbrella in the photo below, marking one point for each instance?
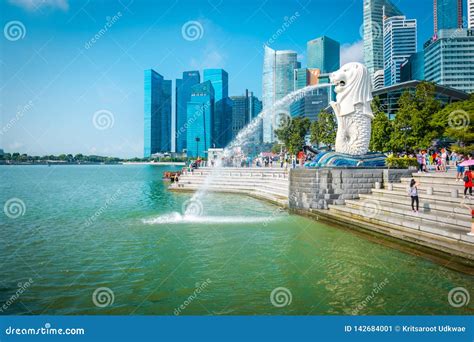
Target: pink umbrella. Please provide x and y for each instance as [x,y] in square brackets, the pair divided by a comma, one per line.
[468,162]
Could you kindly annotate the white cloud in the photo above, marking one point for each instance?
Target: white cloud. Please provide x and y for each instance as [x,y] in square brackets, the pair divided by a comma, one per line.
[33,5]
[352,52]
[211,58]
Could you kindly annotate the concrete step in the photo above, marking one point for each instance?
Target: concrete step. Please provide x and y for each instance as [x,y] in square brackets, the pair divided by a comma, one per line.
[248,185]
[446,181]
[435,198]
[236,179]
[455,221]
[426,205]
[441,190]
[406,222]
[239,188]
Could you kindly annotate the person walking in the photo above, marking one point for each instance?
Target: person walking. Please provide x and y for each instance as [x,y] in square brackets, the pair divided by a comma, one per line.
[459,168]
[413,192]
[468,182]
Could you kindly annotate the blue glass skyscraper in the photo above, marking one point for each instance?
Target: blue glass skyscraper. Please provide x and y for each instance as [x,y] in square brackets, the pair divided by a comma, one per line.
[222,130]
[157,113]
[447,14]
[323,53]
[183,95]
[200,119]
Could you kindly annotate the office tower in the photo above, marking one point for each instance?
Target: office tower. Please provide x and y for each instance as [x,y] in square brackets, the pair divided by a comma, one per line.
[183,95]
[323,53]
[304,77]
[157,114]
[373,31]
[244,109]
[378,79]
[447,14]
[470,14]
[278,69]
[222,133]
[399,43]
[200,119]
[449,58]
[312,102]
[413,68]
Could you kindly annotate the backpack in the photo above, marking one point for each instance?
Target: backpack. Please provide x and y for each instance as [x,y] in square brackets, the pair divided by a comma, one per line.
[466,179]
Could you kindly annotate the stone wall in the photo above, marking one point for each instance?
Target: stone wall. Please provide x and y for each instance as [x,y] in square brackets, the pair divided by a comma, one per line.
[317,188]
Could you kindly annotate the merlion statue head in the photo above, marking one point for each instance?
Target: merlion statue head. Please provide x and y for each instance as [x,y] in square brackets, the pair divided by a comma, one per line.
[353,88]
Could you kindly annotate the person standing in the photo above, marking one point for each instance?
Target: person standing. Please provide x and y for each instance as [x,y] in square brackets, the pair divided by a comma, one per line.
[414,195]
[468,182]
[459,168]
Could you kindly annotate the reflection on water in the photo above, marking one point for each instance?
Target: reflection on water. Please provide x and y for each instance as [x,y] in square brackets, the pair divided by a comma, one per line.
[90,227]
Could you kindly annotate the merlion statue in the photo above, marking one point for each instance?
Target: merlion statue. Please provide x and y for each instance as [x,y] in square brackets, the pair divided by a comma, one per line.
[352,108]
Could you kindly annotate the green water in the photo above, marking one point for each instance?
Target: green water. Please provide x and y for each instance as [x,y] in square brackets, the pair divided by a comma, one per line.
[87,227]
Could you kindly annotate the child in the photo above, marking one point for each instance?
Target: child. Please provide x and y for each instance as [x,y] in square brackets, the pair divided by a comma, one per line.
[413,192]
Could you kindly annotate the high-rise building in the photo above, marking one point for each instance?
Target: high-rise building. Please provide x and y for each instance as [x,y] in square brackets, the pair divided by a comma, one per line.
[399,43]
[470,14]
[373,31]
[413,68]
[378,79]
[200,119]
[278,69]
[449,58]
[312,102]
[447,14]
[157,114]
[222,108]
[304,77]
[183,95]
[244,109]
[323,53]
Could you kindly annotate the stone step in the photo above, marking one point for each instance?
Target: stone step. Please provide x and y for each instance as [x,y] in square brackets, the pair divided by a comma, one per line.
[246,185]
[425,204]
[454,222]
[435,181]
[436,197]
[403,221]
[231,188]
[440,190]
[246,179]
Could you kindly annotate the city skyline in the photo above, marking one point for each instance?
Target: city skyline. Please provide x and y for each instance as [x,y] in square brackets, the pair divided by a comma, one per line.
[46,62]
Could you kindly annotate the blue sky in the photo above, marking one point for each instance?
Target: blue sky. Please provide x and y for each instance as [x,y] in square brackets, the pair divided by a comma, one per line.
[54,78]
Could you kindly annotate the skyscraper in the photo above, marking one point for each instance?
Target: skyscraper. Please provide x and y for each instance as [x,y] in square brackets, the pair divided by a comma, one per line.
[278,69]
[323,53]
[222,108]
[200,119]
[447,14]
[183,95]
[157,113]
[244,109]
[413,68]
[470,14]
[449,58]
[399,43]
[373,31]
[378,79]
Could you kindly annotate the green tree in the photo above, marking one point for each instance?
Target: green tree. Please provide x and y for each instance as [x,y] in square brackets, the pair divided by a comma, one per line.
[293,135]
[412,125]
[323,130]
[381,129]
